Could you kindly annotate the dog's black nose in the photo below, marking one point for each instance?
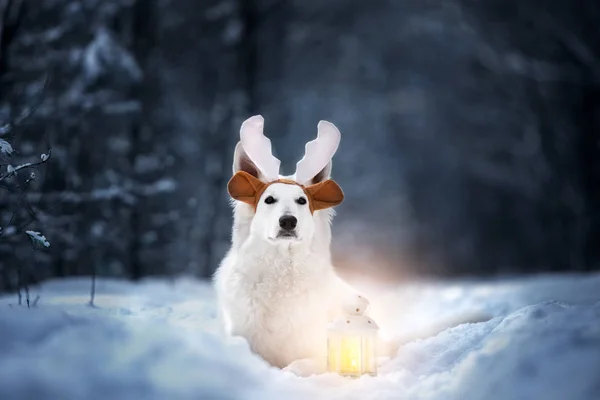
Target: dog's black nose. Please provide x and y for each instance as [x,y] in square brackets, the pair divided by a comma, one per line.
[288,222]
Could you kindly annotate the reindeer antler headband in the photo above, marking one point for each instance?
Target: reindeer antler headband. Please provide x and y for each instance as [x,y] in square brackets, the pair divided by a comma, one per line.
[318,152]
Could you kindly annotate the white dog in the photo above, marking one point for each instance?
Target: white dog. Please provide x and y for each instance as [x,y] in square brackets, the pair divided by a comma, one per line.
[276,286]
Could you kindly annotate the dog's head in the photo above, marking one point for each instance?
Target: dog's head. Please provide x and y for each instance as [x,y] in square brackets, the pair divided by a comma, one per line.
[285,208]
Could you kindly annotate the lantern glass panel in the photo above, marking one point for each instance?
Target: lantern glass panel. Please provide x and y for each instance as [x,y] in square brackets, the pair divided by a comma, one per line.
[352,353]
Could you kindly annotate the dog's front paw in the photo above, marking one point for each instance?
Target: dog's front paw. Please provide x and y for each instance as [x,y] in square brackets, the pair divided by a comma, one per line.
[305,367]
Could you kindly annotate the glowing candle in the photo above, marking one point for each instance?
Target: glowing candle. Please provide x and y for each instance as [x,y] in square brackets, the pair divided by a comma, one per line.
[351,341]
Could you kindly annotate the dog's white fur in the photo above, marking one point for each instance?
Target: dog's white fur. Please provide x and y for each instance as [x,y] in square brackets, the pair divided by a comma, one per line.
[279,293]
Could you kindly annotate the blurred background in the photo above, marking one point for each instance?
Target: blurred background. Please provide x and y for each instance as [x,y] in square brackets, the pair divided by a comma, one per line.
[470,131]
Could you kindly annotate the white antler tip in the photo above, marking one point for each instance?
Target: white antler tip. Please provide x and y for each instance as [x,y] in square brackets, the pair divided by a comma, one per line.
[325,123]
[255,121]
[328,128]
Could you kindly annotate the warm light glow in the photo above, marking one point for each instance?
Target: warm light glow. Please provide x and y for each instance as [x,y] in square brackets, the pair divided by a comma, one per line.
[349,352]
[352,355]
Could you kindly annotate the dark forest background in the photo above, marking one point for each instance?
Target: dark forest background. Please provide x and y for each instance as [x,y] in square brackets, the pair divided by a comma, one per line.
[470,130]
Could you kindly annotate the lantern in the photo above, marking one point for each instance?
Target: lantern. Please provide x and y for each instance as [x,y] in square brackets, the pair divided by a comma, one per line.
[351,341]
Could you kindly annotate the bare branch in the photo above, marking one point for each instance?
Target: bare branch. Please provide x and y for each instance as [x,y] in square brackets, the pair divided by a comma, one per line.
[22,206]
[28,111]
[11,14]
[579,50]
[12,217]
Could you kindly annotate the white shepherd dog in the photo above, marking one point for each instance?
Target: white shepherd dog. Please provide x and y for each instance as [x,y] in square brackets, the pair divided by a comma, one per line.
[276,286]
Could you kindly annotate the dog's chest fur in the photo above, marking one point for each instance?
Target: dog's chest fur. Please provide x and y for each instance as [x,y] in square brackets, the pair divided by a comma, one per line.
[279,299]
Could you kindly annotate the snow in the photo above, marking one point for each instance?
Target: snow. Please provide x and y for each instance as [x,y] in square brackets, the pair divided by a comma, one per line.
[23,166]
[5,147]
[38,238]
[13,170]
[159,339]
[105,54]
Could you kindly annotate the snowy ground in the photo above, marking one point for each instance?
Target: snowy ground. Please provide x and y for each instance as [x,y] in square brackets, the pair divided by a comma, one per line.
[159,340]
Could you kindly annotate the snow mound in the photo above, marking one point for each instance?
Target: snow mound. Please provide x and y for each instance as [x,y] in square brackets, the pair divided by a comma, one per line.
[160,340]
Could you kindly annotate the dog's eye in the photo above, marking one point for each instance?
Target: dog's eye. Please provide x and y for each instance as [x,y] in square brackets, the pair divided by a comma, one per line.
[301,201]
[270,200]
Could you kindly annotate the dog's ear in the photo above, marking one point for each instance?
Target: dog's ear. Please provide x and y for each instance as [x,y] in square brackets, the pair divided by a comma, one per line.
[244,187]
[323,175]
[325,194]
[241,162]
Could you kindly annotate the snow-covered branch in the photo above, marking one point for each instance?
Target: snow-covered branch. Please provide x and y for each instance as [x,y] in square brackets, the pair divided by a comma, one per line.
[128,193]
[12,171]
[38,238]
[5,147]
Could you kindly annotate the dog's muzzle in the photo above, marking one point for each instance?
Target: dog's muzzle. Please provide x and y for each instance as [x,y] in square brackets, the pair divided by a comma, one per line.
[287,225]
